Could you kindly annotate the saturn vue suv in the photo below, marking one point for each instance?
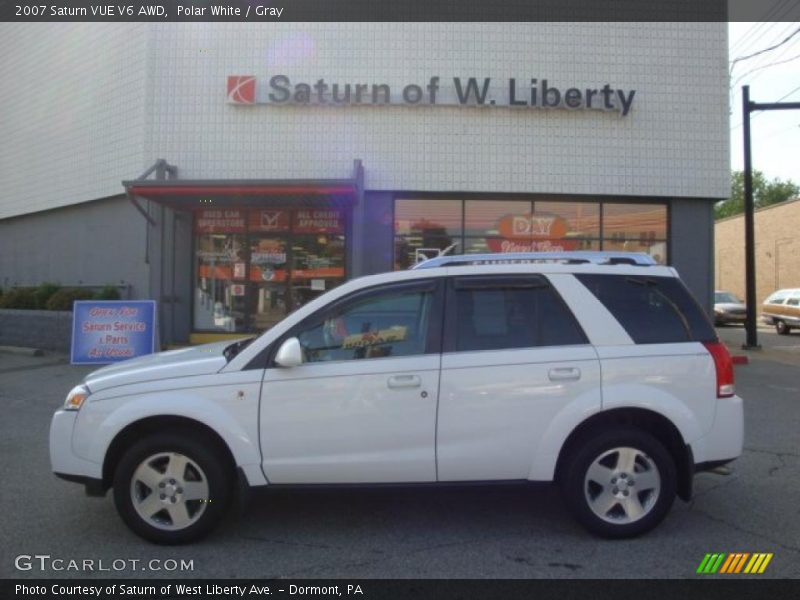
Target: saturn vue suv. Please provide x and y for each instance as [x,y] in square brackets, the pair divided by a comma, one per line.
[596,371]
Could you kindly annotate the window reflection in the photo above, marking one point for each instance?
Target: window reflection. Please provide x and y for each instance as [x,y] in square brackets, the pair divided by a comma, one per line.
[656,249]
[634,221]
[580,219]
[220,301]
[425,227]
[255,266]
[483,217]
[430,217]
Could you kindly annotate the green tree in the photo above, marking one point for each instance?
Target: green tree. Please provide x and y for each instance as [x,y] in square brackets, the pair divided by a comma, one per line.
[765,193]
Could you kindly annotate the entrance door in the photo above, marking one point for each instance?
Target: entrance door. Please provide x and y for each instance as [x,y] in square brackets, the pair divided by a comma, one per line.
[362,407]
[269,280]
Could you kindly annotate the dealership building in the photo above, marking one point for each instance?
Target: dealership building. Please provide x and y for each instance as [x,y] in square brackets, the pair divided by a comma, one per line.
[233,171]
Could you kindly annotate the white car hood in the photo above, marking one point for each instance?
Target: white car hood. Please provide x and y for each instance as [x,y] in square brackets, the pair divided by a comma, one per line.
[197,360]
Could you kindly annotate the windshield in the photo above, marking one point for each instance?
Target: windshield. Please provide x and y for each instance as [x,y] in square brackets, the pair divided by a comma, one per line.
[723,297]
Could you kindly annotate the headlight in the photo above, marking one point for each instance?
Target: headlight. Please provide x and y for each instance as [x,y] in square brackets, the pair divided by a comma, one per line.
[76,397]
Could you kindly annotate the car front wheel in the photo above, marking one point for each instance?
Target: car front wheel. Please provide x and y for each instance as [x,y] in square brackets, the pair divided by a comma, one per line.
[172,489]
[782,328]
[620,483]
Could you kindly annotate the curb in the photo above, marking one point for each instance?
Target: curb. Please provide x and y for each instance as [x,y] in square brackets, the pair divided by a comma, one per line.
[21,351]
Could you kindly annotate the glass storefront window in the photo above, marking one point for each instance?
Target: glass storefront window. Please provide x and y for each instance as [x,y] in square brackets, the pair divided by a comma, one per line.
[269,271]
[428,217]
[634,221]
[498,244]
[409,249]
[656,249]
[483,217]
[317,265]
[220,298]
[255,266]
[425,226]
[579,219]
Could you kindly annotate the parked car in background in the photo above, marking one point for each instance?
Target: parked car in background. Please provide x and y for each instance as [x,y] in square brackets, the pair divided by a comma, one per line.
[782,309]
[728,308]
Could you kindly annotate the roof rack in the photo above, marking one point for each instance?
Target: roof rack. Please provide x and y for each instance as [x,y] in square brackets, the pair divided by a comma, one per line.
[638,259]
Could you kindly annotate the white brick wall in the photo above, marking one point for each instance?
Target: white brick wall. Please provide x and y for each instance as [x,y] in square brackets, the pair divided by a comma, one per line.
[674,142]
[72,97]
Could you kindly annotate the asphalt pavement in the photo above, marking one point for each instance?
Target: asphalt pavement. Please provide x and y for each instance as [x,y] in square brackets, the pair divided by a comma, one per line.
[477,532]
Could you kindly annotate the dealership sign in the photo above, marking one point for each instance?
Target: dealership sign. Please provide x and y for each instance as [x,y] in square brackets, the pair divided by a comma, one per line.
[107,331]
[457,91]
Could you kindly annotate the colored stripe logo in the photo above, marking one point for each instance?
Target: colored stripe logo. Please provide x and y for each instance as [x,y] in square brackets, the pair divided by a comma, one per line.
[734,563]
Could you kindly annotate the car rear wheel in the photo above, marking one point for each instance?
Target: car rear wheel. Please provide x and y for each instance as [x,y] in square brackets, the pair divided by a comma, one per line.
[172,489]
[782,328]
[621,483]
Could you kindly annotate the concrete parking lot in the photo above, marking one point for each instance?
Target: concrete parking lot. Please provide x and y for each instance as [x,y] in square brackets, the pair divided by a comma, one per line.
[472,532]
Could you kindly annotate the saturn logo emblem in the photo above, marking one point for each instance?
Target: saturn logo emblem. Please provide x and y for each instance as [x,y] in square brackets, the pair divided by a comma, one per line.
[241,89]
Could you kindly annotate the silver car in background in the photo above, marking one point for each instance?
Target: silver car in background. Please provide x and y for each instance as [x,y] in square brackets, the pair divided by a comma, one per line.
[728,308]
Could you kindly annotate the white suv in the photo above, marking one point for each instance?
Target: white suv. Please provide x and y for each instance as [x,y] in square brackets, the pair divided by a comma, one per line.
[595,370]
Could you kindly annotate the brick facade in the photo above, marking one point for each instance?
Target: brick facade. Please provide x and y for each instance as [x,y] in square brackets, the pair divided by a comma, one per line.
[777,250]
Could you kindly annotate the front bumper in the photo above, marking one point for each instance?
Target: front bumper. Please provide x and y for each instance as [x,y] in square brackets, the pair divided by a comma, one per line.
[63,460]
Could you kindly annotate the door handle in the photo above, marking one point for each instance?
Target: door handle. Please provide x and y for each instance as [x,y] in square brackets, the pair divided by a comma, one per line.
[564,374]
[404,381]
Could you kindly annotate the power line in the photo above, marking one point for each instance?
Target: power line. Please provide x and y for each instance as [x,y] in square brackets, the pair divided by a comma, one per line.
[772,134]
[765,50]
[787,50]
[772,64]
[743,41]
[789,94]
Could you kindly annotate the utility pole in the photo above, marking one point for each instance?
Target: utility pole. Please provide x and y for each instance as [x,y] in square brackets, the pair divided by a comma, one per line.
[749,222]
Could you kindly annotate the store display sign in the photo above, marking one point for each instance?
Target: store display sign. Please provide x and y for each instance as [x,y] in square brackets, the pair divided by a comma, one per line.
[269,220]
[108,331]
[318,221]
[219,221]
[532,233]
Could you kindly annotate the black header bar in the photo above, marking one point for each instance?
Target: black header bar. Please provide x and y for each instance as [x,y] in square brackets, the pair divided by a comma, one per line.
[268,11]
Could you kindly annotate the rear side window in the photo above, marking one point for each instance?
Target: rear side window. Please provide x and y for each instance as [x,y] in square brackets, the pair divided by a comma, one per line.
[776,298]
[653,310]
[496,313]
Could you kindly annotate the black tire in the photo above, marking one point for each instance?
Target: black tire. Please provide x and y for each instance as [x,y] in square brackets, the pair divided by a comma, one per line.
[578,491]
[782,328]
[206,464]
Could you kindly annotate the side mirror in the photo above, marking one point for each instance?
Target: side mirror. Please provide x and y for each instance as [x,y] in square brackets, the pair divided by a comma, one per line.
[290,354]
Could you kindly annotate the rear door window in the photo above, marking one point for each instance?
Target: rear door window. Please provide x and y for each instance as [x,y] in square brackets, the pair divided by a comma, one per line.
[653,310]
[501,312]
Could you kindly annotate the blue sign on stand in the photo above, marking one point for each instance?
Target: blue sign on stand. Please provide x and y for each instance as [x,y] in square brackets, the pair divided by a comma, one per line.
[107,331]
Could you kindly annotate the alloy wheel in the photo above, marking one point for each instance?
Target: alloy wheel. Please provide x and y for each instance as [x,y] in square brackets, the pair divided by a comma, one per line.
[169,491]
[622,485]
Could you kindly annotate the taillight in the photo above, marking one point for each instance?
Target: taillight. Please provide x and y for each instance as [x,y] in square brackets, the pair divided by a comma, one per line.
[723,363]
